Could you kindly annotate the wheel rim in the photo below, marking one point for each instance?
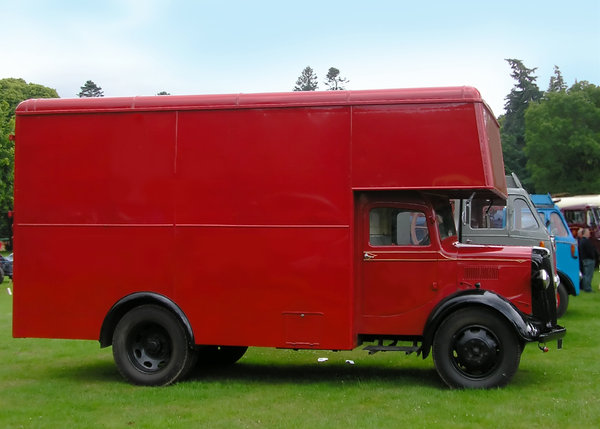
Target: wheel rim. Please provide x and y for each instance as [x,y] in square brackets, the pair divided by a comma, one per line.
[475,352]
[149,347]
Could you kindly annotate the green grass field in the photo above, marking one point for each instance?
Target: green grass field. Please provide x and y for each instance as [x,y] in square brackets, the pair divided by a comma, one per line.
[74,384]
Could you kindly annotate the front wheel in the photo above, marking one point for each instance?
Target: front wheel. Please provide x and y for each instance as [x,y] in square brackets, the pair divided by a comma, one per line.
[562,300]
[475,348]
[150,347]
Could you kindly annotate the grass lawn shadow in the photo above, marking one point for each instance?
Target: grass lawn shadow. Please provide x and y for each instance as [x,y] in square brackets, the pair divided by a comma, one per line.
[341,374]
[272,374]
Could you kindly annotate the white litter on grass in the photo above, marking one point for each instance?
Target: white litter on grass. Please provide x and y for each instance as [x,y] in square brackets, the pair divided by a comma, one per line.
[322,359]
[9,291]
[349,362]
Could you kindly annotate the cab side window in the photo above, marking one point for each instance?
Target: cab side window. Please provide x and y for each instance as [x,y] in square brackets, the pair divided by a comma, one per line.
[390,226]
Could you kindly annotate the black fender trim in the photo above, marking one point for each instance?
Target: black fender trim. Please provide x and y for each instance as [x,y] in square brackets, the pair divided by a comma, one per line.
[566,280]
[128,302]
[478,297]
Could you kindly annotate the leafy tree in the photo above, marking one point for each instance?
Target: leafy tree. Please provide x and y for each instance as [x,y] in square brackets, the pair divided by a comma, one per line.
[7,156]
[12,92]
[563,140]
[90,89]
[512,122]
[334,81]
[557,83]
[163,93]
[307,80]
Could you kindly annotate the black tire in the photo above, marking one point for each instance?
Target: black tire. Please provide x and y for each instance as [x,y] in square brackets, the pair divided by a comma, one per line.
[151,348]
[220,355]
[562,300]
[475,348]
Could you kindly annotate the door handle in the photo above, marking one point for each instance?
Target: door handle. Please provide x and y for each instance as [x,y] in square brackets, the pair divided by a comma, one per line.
[368,256]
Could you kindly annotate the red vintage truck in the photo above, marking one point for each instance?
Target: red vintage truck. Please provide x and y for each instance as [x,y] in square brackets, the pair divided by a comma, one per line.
[188,228]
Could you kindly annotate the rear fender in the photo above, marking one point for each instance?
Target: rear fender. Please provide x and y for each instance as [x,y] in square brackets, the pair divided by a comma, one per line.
[480,298]
[134,300]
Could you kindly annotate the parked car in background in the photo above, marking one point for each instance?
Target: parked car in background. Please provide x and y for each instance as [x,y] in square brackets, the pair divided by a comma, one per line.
[512,222]
[6,267]
[582,211]
[567,254]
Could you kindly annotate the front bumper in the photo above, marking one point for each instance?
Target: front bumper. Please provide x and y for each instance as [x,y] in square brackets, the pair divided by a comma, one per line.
[556,333]
[537,331]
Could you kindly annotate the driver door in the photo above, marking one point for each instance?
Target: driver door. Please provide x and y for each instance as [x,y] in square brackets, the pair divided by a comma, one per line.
[398,267]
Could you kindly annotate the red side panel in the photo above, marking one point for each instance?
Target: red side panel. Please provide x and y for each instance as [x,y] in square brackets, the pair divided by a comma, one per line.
[241,217]
[101,169]
[93,217]
[414,146]
[268,167]
[263,239]
[69,277]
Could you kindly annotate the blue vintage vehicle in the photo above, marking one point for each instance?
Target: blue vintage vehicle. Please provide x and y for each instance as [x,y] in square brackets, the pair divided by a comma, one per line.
[567,255]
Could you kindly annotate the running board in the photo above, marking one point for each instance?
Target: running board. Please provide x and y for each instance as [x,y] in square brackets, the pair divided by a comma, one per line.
[380,347]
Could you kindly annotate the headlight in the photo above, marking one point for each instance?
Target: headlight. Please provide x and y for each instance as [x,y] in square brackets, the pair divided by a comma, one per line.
[544,277]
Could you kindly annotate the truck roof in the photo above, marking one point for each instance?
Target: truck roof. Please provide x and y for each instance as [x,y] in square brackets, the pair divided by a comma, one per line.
[430,139]
[578,201]
[248,101]
[542,200]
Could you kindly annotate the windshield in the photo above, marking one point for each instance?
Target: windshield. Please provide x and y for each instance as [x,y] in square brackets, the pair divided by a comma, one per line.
[523,219]
[597,214]
[488,214]
[557,227]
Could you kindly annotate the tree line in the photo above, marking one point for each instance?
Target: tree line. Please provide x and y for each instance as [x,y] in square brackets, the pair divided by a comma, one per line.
[550,139]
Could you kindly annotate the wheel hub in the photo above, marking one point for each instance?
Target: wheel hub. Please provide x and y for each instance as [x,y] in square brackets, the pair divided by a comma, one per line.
[153,345]
[475,351]
[150,349]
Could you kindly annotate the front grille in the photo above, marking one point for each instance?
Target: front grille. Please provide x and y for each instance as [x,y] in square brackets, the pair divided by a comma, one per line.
[481,273]
[543,298]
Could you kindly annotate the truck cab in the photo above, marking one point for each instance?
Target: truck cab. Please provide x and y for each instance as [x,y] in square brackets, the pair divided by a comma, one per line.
[511,222]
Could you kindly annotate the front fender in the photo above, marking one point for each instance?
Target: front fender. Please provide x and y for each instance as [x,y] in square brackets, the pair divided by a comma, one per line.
[521,323]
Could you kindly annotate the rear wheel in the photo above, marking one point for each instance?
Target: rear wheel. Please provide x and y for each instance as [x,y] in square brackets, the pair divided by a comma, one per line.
[150,347]
[475,348]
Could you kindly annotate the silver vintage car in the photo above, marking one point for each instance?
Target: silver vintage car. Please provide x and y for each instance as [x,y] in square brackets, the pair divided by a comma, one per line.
[514,222]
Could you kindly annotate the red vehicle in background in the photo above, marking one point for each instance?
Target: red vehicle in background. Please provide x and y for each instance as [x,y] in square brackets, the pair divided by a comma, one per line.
[314,220]
[582,211]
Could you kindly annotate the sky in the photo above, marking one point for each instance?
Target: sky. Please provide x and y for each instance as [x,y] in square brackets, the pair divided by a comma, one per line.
[142,47]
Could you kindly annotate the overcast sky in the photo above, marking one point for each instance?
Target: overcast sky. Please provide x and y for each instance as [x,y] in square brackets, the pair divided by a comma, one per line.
[141,47]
